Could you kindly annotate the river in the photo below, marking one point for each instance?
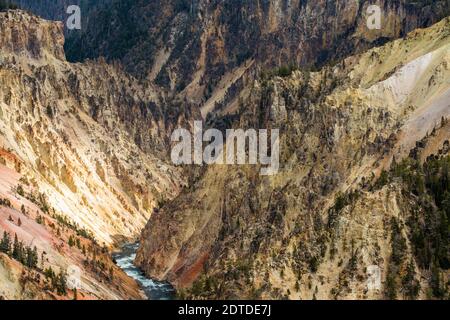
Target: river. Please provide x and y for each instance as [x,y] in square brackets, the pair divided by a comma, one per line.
[154,290]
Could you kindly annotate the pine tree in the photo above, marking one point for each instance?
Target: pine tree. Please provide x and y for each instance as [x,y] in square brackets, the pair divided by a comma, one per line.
[49,273]
[29,259]
[5,244]
[436,281]
[61,287]
[35,258]
[20,190]
[71,242]
[17,254]
[410,285]
[391,287]
[23,256]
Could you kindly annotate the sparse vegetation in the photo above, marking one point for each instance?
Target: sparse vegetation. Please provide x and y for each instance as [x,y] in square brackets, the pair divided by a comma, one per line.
[82,232]
[5,202]
[342,200]
[49,111]
[58,281]
[20,190]
[283,71]
[26,255]
[429,184]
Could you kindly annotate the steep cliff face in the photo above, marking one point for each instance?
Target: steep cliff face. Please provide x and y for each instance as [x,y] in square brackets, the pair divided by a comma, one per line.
[36,39]
[84,146]
[208,51]
[45,254]
[89,135]
[313,229]
[82,164]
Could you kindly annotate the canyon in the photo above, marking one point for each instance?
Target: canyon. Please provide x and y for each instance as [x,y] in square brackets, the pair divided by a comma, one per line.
[68,141]
[236,234]
[86,119]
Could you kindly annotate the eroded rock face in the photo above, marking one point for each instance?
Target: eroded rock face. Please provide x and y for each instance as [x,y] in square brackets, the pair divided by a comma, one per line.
[94,139]
[209,50]
[241,235]
[91,137]
[23,34]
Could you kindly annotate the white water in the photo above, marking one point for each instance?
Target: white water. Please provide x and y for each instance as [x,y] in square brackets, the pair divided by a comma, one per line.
[154,290]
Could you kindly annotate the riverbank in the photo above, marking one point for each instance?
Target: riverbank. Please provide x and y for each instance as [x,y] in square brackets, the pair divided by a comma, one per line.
[154,290]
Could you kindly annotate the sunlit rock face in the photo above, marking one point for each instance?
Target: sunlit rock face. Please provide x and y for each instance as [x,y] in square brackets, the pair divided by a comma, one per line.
[236,234]
[91,137]
[94,136]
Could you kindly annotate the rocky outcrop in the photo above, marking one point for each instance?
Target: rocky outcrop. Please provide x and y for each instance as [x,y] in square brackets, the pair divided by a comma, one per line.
[236,234]
[22,34]
[60,246]
[91,137]
[93,140]
[208,51]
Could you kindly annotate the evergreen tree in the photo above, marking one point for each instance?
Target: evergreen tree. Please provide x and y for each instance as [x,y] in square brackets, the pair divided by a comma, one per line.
[5,202]
[35,259]
[43,259]
[391,287]
[31,259]
[50,275]
[61,284]
[71,241]
[40,219]
[17,254]
[436,281]
[5,244]
[20,190]
[23,255]
[411,286]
